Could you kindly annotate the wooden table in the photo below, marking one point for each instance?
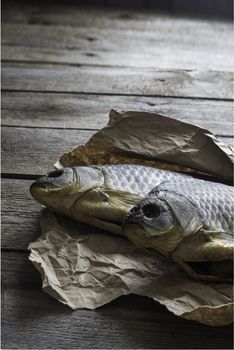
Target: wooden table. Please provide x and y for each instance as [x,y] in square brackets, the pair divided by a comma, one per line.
[63,68]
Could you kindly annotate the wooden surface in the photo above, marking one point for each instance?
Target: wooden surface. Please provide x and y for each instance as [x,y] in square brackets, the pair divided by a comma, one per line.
[115,80]
[143,47]
[77,111]
[129,322]
[64,68]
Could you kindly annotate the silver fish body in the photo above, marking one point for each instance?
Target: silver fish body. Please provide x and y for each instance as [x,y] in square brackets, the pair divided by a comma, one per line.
[98,195]
[136,179]
[189,220]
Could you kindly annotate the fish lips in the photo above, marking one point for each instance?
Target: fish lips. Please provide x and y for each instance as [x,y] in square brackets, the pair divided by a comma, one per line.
[132,224]
[54,180]
[40,184]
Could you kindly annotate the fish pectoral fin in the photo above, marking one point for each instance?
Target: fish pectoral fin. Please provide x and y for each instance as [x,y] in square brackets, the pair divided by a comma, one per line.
[202,248]
[220,237]
[205,259]
[208,271]
[121,200]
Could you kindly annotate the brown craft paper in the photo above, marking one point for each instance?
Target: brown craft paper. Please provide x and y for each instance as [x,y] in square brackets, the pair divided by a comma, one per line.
[153,139]
[85,267]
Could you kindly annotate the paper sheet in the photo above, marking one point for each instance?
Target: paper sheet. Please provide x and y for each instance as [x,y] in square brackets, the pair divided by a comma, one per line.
[85,267]
[153,139]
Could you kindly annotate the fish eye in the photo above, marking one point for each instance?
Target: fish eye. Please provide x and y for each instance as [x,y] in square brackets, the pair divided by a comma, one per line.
[151,211]
[55,173]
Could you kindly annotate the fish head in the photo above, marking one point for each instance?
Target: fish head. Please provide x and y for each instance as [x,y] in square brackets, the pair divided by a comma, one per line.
[161,221]
[60,189]
[152,215]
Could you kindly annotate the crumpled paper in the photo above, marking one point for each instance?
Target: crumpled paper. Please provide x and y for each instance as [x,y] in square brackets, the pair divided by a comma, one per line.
[85,267]
[155,140]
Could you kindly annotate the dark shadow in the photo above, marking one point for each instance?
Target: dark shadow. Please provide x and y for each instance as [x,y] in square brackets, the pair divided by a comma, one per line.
[206,9]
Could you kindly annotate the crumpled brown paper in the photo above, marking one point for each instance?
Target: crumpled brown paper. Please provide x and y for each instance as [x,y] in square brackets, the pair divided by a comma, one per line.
[83,266]
[155,140]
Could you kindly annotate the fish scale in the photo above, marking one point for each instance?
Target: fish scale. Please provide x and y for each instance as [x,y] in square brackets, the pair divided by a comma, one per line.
[214,200]
[187,219]
[137,179]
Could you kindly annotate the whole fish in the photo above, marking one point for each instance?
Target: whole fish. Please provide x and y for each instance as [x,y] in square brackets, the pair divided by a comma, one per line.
[189,220]
[98,195]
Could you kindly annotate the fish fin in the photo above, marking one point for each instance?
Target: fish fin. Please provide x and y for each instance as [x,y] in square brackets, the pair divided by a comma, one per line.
[205,258]
[122,200]
[223,238]
[208,271]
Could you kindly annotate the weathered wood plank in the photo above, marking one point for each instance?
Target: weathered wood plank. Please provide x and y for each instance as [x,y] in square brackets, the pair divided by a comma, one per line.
[161,48]
[91,111]
[100,80]
[38,321]
[30,318]
[20,214]
[34,151]
[19,272]
[161,58]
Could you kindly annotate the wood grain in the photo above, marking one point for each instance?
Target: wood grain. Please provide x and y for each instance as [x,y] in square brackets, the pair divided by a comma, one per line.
[198,48]
[52,110]
[123,81]
[34,151]
[20,214]
[67,66]
[19,271]
[129,322]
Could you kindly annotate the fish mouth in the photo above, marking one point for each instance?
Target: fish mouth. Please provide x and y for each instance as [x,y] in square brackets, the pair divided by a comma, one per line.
[136,233]
[54,180]
[55,173]
[131,226]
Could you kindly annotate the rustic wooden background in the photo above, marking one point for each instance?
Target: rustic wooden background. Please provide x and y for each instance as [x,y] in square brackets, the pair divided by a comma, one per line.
[63,68]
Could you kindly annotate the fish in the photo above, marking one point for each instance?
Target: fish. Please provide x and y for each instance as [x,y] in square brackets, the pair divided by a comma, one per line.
[184,218]
[190,221]
[98,195]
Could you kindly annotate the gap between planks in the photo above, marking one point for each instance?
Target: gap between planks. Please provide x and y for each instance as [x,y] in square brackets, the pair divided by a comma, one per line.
[15,250]
[20,176]
[58,128]
[118,94]
[70,128]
